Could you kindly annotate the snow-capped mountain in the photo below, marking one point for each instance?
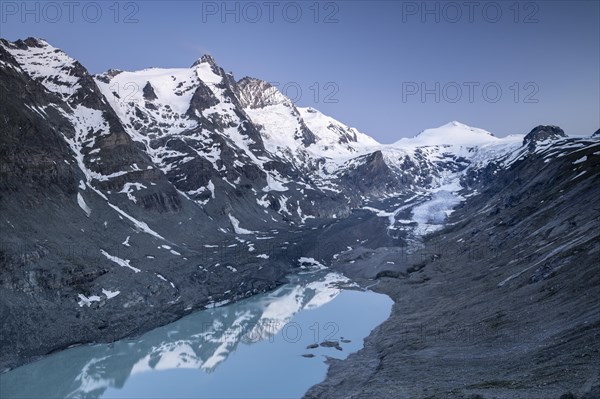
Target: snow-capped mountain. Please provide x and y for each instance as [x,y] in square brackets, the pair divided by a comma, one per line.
[175,189]
[452,133]
[293,130]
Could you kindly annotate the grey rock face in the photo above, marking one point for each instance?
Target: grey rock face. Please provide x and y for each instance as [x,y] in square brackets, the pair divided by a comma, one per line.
[255,93]
[149,93]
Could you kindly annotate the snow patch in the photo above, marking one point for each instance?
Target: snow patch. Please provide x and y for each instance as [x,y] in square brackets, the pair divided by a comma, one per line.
[119,261]
[237,228]
[87,301]
[110,294]
[83,205]
[312,262]
[140,225]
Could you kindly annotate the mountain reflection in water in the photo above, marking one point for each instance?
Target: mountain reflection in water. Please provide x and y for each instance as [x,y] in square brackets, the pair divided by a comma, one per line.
[251,348]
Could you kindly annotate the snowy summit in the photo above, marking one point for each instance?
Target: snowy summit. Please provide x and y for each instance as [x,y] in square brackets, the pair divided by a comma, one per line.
[452,133]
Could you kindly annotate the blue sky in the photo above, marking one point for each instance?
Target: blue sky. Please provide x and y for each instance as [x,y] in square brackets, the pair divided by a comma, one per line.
[389,68]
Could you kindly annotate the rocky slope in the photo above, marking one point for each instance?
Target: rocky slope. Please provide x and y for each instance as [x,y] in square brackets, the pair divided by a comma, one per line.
[129,199]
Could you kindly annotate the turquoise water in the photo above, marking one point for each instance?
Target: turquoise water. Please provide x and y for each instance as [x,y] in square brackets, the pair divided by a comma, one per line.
[248,349]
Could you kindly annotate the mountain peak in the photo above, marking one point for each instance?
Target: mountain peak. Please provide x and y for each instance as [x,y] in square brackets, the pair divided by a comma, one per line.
[34,42]
[455,124]
[206,58]
[24,44]
[543,133]
[452,133]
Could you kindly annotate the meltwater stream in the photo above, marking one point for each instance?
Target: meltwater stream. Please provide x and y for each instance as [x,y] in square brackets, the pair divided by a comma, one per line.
[248,349]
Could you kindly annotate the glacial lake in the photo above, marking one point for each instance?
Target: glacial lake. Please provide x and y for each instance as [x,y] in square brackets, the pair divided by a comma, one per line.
[249,349]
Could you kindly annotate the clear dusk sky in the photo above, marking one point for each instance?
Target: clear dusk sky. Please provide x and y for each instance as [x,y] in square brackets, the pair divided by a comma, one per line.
[388,68]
